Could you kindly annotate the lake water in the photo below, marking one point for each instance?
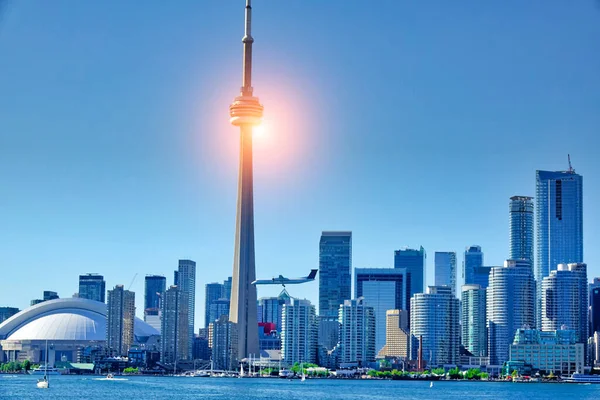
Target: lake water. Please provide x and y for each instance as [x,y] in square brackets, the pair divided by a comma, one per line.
[143,388]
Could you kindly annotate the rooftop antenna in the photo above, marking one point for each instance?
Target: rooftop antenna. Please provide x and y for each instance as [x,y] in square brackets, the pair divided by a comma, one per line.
[571,170]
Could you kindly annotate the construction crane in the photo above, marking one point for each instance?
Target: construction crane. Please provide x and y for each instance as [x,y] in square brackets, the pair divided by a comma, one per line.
[133,280]
[571,170]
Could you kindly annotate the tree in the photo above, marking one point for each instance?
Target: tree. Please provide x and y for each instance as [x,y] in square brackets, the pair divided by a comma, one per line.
[438,371]
[454,373]
[26,365]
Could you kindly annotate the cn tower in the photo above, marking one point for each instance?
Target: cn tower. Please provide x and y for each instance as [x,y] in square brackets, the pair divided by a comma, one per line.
[245,112]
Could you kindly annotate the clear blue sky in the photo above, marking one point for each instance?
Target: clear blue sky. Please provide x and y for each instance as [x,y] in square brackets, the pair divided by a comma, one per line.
[409,123]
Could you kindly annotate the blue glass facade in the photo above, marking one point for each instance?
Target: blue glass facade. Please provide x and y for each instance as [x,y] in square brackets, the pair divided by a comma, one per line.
[414,262]
[335,271]
[445,269]
[154,286]
[213,292]
[521,228]
[473,261]
[93,287]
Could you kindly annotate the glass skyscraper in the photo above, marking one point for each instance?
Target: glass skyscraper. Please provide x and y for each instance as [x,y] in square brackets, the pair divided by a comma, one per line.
[383,289]
[92,287]
[445,269]
[213,292]
[335,271]
[474,330]
[414,262]
[185,280]
[521,228]
[472,262]
[155,285]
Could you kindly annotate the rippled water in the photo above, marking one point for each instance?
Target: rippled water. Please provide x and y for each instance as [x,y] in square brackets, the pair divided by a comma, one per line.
[142,388]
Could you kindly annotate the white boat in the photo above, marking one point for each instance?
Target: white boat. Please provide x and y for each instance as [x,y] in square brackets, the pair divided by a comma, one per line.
[582,378]
[241,371]
[303,376]
[201,374]
[431,384]
[44,383]
[43,370]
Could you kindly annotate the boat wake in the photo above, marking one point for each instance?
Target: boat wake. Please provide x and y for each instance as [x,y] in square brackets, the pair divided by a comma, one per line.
[111,379]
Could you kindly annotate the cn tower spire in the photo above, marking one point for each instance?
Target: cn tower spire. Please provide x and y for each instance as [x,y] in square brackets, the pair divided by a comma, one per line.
[245,112]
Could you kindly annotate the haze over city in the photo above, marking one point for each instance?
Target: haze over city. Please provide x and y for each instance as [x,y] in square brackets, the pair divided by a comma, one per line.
[407,123]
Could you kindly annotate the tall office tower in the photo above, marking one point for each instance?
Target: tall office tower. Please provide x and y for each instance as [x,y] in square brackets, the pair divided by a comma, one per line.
[383,289]
[245,112]
[482,276]
[92,287]
[335,271]
[510,306]
[329,332]
[213,292]
[434,316]
[154,287]
[270,309]
[120,320]
[472,262]
[564,300]
[217,308]
[558,224]
[223,342]
[521,228]
[474,329]
[227,289]
[175,338]
[185,280]
[50,295]
[445,269]
[7,312]
[299,332]
[415,263]
[594,306]
[397,336]
[357,332]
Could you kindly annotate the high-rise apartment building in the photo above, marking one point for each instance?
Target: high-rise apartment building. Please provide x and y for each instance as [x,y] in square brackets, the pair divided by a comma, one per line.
[154,287]
[445,269]
[223,341]
[92,287]
[383,289]
[175,338]
[397,336]
[299,332]
[510,306]
[335,271]
[185,280]
[120,320]
[357,332]
[217,308]
[564,300]
[213,292]
[472,262]
[270,309]
[434,317]
[474,323]
[521,228]
[415,263]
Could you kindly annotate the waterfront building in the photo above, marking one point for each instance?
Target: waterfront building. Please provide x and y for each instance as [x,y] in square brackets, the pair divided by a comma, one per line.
[213,292]
[357,332]
[268,336]
[521,228]
[445,269]
[415,263]
[554,352]
[558,223]
[472,262]
[397,336]
[510,306]
[154,287]
[329,332]
[223,342]
[185,280]
[564,300]
[200,349]
[7,312]
[299,332]
[217,308]
[383,289]
[270,309]
[474,329]
[68,324]
[120,320]
[434,317]
[335,269]
[92,287]
[175,326]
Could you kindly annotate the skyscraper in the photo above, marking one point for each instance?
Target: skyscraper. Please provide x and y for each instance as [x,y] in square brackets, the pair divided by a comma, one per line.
[415,263]
[521,228]
[217,308]
[435,318]
[50,295]
[93,287]
[474,330]
[564,300]
[120,320]
[510,306]
[155,285]
[223,342]
[175,338]
[383,289]
[397,336]
[227,288]
[357,332]
[213,292]
[185,280]
[445,269]
[7,312]
[335,268]
[594,306]
[299,332]
[472,262]
[270,309]
[245,112]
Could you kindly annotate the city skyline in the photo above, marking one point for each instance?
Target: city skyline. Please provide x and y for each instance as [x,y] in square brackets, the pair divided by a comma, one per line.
[136,229]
